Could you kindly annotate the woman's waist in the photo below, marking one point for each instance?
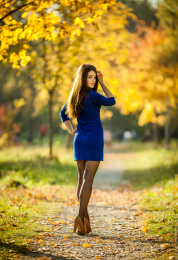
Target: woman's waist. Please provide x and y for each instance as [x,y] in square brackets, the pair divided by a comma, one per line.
[90,129]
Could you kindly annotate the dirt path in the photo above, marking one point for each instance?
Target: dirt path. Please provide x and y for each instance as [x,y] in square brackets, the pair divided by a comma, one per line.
[110,171]
[115,220]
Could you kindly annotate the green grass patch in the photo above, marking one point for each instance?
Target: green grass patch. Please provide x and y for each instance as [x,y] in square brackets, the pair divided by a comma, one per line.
[16,226]
[161,206]
[31,166]
[146,165]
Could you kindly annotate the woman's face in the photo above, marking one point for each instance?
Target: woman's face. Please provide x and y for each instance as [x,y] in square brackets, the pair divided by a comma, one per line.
[91,79]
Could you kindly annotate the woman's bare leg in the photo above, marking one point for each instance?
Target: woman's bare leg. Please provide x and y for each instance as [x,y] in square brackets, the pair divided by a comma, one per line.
[81,168]
[90,170]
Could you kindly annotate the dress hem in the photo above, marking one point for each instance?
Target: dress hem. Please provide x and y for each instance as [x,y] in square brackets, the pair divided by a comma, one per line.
[88,160]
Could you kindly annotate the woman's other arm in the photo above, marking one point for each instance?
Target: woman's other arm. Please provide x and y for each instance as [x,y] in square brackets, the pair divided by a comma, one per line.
[69,127]
[66,120]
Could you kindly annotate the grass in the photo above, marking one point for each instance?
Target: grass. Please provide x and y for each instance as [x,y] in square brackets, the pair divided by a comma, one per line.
[160,204]
[29,165]
[29,181]
[146,165]
[153,172]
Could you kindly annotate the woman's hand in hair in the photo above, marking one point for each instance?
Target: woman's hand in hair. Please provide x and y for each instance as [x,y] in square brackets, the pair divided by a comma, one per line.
[100,76]
[73,132]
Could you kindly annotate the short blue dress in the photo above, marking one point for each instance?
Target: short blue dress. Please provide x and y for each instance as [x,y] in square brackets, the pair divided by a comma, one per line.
[88,143]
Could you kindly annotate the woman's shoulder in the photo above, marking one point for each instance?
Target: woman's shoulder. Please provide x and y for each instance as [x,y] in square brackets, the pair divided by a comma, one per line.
[93,92]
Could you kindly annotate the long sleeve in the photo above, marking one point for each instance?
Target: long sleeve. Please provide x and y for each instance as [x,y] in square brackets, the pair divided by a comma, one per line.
[63,115]
[101,100]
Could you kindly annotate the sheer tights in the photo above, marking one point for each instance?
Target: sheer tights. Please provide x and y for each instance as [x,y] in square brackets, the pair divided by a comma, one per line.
[86,174]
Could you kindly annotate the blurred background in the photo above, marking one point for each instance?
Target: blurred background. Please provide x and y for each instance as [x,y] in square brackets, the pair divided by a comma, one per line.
[133,44]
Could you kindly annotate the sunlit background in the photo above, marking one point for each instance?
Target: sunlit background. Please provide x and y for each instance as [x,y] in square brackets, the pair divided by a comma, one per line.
[128,43]
[134,44]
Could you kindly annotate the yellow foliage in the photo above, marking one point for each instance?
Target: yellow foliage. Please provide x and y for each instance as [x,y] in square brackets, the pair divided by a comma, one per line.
[25,46]
[76,32]
[79,22]
[19,102]
[41,22]
[147,115]
[161,120]
[14,58]
[105,114]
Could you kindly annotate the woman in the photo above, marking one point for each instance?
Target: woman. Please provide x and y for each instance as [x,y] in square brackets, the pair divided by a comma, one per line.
[85,102]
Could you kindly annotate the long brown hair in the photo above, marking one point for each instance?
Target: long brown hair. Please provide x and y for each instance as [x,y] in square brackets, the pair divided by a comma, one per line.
[79,90]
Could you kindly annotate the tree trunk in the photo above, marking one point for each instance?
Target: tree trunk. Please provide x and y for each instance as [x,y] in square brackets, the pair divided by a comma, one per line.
[166,128]
[155,133]
[50,126]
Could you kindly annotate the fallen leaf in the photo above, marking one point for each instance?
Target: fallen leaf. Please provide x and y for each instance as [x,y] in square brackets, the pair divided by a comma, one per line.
[171,258]
[86,245]
[59,222]
[145,229]
[164,245]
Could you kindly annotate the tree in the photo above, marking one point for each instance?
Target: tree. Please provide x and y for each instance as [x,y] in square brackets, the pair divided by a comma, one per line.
[168,16]
[148,79]
[43,19]
[52,21]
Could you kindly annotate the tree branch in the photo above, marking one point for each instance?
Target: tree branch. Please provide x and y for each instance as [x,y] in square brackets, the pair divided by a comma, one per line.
[13,11]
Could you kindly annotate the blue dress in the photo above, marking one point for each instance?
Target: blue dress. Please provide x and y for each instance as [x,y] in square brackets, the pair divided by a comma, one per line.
[88,143]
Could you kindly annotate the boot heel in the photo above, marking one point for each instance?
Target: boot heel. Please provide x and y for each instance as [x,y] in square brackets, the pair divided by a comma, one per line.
[79,224]
[87,226]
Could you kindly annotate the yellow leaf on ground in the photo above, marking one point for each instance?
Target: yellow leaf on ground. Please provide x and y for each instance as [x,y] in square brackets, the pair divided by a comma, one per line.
[144,229]
[98,257]
[60,221]
[86,245]
[164,245]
